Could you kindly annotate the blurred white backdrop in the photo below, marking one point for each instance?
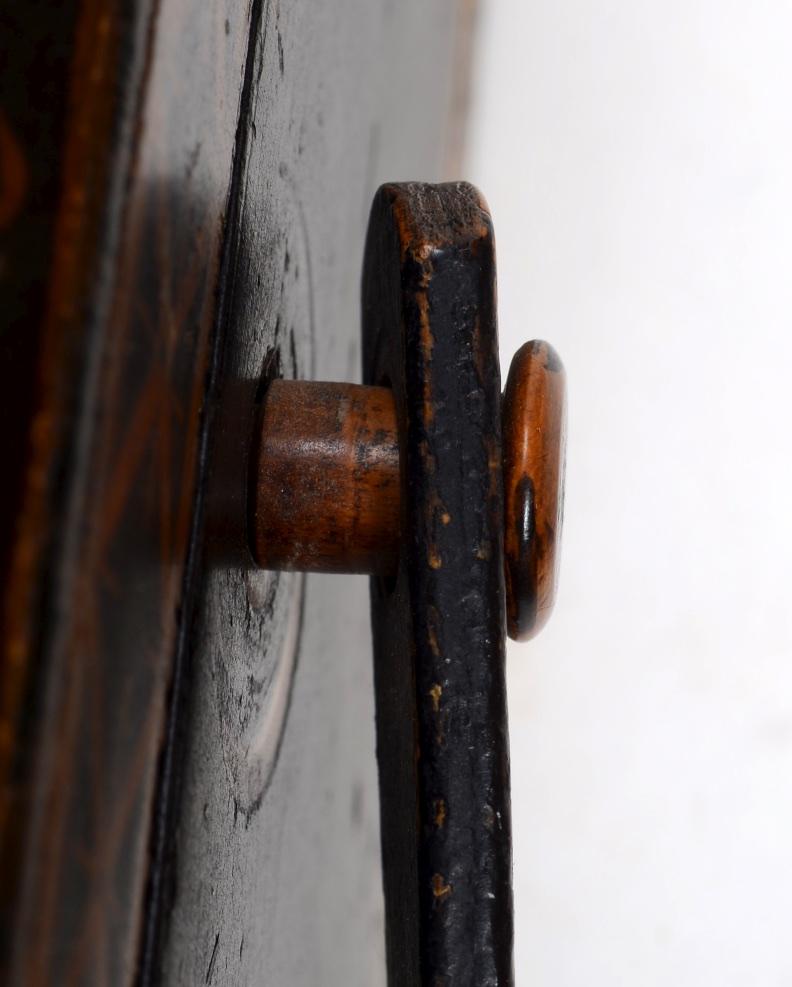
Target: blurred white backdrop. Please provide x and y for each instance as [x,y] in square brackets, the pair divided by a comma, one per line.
[637,157]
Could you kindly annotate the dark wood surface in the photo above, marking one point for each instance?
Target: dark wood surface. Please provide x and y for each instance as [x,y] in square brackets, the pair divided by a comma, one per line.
[96,571]
[185,194]
[439,649]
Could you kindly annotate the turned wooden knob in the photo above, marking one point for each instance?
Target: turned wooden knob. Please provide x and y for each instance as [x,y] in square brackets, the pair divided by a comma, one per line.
[534,457]
[326,490]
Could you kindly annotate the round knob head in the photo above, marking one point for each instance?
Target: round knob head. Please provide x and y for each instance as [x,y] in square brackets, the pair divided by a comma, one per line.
[534,458]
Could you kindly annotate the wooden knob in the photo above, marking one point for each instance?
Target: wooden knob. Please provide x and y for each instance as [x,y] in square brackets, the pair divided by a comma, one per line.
[534,457]
[326,490]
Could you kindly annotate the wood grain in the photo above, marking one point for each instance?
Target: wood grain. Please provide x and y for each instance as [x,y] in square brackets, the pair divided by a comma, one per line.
[111,426]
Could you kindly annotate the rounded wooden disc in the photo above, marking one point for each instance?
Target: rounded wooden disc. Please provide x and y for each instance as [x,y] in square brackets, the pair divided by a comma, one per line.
[534,457]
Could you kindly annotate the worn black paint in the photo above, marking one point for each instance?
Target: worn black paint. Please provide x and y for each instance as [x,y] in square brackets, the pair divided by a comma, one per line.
[430,330]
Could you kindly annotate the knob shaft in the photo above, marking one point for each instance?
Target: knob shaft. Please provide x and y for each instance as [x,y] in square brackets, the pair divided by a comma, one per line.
[325,479]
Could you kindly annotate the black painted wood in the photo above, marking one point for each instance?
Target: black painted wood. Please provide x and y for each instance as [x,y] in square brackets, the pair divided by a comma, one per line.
[429,331]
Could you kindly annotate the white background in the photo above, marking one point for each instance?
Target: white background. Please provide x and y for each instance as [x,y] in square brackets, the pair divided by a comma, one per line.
[637,157]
